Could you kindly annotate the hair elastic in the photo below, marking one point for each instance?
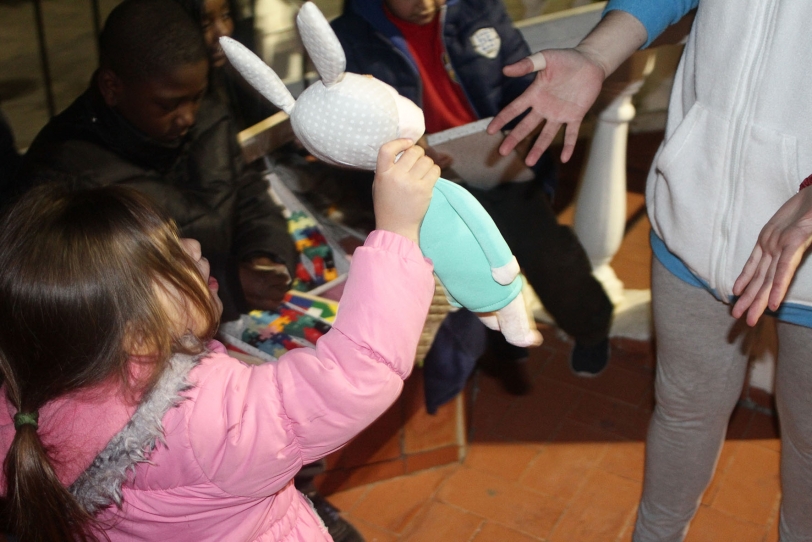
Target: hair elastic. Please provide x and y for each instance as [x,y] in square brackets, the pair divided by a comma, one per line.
[25,418]
[806,182]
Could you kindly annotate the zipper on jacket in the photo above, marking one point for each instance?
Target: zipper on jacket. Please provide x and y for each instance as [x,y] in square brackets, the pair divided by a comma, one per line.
[744,105]
[409,63]
[456,80]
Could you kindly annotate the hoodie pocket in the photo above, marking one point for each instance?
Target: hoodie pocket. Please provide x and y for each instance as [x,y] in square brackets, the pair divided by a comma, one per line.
[687,196]
[767,178]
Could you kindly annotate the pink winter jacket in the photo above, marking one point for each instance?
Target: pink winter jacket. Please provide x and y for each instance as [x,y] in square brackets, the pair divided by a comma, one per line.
[233,436]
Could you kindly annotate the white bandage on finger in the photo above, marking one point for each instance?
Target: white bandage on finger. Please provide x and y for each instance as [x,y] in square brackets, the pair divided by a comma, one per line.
[538,60]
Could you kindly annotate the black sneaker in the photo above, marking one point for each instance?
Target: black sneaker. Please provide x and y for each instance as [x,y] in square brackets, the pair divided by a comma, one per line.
[511,373]
[589,361]
[339,528]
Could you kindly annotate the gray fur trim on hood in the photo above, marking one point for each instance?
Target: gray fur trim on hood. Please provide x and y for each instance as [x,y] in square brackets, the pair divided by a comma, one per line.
[100,485]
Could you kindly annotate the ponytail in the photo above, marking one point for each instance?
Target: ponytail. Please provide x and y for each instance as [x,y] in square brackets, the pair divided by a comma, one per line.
[78,276]
[39,507]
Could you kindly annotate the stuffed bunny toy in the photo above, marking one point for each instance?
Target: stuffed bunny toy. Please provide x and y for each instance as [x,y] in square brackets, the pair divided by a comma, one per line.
[344,119]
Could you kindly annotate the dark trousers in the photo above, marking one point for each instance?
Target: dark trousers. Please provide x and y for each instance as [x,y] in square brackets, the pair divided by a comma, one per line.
[552,258]
[557,268]
[304,478]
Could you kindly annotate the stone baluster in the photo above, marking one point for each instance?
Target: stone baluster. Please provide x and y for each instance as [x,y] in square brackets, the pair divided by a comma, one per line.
[600,205]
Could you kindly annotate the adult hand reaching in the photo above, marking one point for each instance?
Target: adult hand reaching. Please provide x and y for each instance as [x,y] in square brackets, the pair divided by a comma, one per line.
[766,276]
[567,84]
[561,94]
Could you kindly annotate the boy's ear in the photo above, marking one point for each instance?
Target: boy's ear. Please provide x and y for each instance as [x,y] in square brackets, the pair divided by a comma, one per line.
[110,85]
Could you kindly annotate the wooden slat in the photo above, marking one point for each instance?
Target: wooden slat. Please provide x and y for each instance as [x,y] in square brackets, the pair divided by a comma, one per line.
[265,136]
[560,29]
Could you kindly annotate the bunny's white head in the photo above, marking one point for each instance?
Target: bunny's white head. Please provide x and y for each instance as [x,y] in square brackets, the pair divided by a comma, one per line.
[344,118]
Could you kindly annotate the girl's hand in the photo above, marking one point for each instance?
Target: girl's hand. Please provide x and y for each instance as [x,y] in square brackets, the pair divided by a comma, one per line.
[402,189]
[440,158]
[766,276]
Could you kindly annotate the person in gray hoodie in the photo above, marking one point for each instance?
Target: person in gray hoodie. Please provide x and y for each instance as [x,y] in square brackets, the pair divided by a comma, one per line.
[731,224]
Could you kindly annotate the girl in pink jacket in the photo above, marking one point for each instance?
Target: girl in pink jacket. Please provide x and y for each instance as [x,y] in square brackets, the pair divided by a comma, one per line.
[122,419]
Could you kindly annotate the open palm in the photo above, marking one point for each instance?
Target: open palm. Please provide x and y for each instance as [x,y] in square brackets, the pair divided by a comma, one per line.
[561,94]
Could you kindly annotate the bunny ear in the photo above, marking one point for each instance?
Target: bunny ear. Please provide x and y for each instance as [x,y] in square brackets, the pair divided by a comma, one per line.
[258,74]
[321,43]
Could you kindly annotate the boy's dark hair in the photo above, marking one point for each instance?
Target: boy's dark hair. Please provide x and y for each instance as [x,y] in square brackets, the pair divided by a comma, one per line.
[143,38]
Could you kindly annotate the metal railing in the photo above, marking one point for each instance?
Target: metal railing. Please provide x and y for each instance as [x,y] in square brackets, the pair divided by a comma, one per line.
[45,63]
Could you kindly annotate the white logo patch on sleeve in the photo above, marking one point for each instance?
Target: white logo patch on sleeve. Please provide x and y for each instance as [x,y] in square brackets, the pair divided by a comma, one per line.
[486,42]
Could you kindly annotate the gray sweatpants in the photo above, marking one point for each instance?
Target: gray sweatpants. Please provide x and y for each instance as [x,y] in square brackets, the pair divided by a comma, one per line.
[701,368]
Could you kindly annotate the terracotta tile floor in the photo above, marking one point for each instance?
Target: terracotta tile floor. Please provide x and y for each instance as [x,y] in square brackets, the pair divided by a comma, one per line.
[565,463]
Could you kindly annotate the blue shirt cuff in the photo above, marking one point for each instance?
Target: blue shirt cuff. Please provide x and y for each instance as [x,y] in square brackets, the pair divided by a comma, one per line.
[656,15]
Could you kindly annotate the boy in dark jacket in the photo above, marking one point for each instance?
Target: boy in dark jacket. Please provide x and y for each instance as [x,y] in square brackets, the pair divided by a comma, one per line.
[448,57]
[147,122]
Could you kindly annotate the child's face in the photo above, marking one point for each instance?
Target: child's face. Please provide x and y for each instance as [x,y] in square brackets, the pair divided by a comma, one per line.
[192,248]
[164,106]
[415,11]
[184,316]
[217,22]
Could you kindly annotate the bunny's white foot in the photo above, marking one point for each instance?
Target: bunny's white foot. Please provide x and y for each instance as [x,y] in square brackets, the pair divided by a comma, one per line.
[505,274]
[490,320]
[516,324]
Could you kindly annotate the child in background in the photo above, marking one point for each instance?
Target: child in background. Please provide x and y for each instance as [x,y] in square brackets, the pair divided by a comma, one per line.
[121,418]
[447,57]
[147,121]
[217,18]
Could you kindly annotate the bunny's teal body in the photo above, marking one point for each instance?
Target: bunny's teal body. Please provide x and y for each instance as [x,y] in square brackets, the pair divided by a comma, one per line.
[464,244]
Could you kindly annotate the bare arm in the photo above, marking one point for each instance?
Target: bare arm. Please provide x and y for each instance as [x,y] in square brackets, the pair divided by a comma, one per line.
[567,84]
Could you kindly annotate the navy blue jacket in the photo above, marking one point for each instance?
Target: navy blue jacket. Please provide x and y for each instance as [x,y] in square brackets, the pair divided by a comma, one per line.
[375,46]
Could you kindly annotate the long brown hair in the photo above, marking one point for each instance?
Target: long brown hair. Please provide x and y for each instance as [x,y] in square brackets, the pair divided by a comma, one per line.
[80,278]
